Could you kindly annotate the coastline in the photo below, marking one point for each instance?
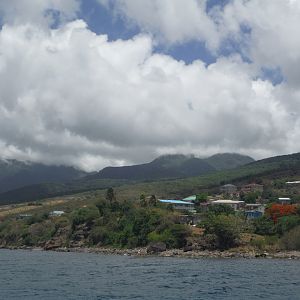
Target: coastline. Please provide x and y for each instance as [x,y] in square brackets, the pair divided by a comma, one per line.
[142,252]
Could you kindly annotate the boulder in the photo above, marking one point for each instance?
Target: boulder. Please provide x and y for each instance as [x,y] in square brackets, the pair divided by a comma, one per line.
[188,248]
[156,247]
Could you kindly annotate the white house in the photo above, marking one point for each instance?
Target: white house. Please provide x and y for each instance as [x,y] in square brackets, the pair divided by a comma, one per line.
[236,205]
[284,200]
[56,213]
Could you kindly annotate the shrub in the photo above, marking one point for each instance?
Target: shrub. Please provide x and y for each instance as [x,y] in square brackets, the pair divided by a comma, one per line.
[258,242]
[291,239]
[99,235]
[221,209]
[276,211]
[40,232]
[174,236]
[264,226]
[225,228]
[12,233]
[287,223]
[36,218]
[84,215]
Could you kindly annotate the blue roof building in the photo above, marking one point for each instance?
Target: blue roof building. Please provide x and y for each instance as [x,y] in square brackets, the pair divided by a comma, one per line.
[178,204]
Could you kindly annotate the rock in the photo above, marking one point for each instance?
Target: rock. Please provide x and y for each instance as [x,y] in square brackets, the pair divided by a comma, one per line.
[188,248]
[53,244]
[156,247]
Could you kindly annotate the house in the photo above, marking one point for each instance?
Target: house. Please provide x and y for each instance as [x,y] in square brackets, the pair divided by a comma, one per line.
[190,198]
[252,187]
[253,214]
[190,219]
[255,207]
[23,216]
[284,200]
[236,205]
[228,189]
[56,213]
[179,204]
[254,210]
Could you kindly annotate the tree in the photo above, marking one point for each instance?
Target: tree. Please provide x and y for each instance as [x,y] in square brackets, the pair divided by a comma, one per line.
[143,200]
[264,226]
[110,195]
[221,209]
[287,223]
[291,239]
[225,228]
[201,198]
[152,200]
[276,211]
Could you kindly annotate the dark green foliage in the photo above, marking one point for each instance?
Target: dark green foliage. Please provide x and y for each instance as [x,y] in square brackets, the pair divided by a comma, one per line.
[200,198]
[221,209]
[291,239]
[129,225]
[143,200]
[36,218]
[110,195]
[264,226]
[18,233]
[39,233]
[84,215]
[99,235]
[250,197]
[152,201]
[174,236]
[226,228]
[287,223]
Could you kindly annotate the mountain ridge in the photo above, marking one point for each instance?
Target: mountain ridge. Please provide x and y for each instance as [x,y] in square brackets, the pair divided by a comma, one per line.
[16,174]
[175,166]
[274,167]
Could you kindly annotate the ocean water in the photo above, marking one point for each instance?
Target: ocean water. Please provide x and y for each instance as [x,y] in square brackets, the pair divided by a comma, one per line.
[53,275]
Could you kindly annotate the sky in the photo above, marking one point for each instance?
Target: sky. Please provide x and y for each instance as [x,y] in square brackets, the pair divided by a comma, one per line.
[92,83]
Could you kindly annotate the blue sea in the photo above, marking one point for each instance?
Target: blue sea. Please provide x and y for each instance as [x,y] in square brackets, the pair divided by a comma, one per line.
[53,275]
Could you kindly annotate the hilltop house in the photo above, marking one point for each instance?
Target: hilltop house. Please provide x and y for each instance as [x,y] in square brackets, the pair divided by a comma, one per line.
[228,189]
[179,204]
[252,187]
[56,213]
[254,210]
[284,200]
[236,205]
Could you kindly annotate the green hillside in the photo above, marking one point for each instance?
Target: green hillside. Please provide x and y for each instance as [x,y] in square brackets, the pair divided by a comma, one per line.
[225,161]
[17,174]
[175,166]
[287,166]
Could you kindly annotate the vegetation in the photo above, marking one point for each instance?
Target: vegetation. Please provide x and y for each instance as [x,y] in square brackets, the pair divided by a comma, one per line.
[291,239]
[108,222]
[225,228]
[128,215]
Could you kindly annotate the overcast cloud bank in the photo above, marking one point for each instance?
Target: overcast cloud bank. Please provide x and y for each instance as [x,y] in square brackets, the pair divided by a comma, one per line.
[70,96]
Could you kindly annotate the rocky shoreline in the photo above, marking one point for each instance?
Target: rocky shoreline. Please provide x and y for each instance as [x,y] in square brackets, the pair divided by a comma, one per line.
[142,252]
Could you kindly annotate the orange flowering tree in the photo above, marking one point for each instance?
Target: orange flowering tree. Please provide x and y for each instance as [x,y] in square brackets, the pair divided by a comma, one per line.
[276,211]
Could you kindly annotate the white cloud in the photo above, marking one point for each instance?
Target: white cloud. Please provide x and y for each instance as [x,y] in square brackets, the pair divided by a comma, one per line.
[267,32]
[170,21]
[274,40]
[37,11]
[71,96]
